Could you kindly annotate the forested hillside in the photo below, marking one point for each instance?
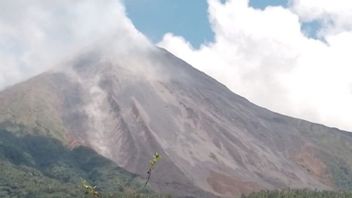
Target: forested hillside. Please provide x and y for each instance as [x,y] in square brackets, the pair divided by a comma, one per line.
[298,194]
[37,166]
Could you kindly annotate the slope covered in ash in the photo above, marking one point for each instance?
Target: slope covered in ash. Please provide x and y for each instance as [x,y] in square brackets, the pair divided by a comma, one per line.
[212,141]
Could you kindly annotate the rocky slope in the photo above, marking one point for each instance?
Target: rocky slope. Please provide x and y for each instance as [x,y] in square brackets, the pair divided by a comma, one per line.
[212,141]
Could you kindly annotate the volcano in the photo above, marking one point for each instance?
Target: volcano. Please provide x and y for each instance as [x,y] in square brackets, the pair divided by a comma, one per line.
[212,142]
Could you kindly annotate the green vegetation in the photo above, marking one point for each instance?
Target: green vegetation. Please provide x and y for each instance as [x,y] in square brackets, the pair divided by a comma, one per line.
[90,190]
[298,194]
[152,163]
[37,166]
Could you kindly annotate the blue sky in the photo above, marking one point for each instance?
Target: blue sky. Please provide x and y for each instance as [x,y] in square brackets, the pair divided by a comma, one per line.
[182,17]
[261,4]
[186,18]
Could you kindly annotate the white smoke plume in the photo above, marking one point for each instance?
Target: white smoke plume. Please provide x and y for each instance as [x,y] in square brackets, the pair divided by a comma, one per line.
[38,34]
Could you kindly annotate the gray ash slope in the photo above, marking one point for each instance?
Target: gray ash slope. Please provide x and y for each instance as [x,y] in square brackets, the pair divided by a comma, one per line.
[212,141]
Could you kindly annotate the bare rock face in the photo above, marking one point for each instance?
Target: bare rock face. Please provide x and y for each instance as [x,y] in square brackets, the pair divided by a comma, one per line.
[212,141]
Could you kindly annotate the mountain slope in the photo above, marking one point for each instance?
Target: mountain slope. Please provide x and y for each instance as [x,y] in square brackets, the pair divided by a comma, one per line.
[38,166]
[212,141]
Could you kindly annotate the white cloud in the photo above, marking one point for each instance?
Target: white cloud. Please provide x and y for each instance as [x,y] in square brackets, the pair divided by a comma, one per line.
[335,16]
[37,34]
[264,56]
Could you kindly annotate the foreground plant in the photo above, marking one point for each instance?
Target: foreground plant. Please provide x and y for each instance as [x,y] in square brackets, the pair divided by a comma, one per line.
[90,190]
[152,163]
